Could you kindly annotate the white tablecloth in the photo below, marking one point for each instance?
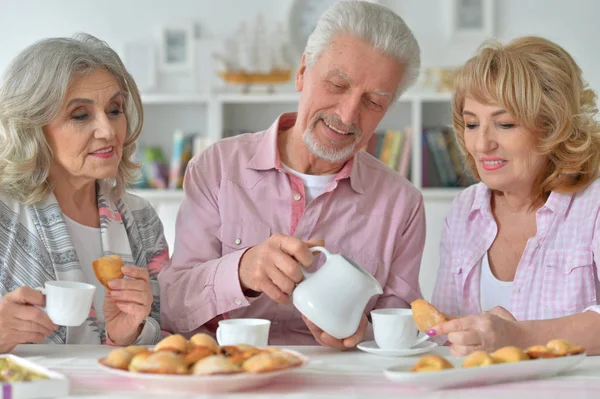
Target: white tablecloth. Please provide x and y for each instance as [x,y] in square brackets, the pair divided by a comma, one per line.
[329,373]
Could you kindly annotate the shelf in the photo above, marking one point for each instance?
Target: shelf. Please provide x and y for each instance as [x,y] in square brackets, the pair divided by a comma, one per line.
[253,98]
[265,98]
[441,193]
[175,99]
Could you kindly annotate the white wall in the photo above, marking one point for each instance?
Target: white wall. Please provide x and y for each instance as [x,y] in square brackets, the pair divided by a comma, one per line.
[573,24]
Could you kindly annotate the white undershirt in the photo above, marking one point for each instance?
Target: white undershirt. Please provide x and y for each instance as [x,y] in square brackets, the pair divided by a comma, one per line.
[493,292]
[313,184]
[88,245]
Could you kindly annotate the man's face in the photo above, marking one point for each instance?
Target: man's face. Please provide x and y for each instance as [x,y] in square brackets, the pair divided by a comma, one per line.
[344,96]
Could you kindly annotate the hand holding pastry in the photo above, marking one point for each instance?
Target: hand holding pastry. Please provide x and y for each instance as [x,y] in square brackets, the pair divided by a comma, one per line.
[127,303]
[272,267]
[487,331]
[325,339]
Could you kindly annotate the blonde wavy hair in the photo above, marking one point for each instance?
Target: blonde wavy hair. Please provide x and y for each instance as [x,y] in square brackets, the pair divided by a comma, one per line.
[32,94]
[541,86]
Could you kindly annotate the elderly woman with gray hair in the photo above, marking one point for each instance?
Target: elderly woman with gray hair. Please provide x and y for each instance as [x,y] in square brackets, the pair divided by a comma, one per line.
[70,115]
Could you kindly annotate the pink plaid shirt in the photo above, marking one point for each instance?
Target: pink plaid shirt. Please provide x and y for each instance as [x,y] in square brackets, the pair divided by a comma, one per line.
[237,194]
[557,275]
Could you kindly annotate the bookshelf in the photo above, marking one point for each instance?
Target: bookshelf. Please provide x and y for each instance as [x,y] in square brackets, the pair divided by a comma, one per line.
[217,115]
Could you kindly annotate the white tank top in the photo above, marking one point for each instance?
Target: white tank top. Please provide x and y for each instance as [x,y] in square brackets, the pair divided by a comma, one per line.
[493,292]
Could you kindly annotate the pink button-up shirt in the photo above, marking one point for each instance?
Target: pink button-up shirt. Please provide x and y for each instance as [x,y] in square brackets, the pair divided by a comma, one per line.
[557,274]
[237,194]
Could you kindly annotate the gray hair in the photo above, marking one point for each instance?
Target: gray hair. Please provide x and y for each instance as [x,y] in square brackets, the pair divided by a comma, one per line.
[32,94]
[377,25]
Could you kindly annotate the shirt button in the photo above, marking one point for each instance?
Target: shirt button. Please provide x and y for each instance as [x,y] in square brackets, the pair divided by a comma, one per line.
[238,241]
[516,288]
[297,197]
[237,301]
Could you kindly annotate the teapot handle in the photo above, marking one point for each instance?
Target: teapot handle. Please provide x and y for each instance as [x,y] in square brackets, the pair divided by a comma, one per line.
[313,250]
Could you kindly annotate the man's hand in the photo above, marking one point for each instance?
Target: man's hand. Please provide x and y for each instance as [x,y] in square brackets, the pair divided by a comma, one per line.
[325,339]
[272,267]
[20,321]
[487,331]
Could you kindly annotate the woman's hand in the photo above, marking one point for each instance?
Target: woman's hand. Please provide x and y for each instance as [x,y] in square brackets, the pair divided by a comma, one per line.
[127,304]
[488,331]
[20,321]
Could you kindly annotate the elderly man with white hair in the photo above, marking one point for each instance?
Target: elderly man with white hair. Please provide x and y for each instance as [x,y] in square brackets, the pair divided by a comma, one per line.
[255,203]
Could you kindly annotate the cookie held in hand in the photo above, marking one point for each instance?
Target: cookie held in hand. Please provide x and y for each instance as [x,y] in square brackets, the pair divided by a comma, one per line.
[425,315]
[108,268]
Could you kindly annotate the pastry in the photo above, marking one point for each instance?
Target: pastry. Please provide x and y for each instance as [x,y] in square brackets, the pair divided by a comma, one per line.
[174,343]
[244,355]
[265,362]
[229,350]
[292,359]
[215,365]
[425,315]
[108,268]
[539,352]
[561,347]
[204,340]
[163,362]
[245,347]
[509,354]
[138,359]
[118,359]
[135,349]
[478,359]
[431,362]
[197,353]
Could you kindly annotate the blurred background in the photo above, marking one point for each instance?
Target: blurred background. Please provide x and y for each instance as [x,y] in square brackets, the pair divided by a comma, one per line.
[211,69]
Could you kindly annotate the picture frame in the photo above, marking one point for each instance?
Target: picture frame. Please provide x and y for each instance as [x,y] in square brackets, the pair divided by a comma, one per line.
[177,45]
[470,19]
[140,60]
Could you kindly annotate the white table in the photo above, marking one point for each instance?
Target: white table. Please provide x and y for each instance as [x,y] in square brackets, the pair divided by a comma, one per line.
[329,374]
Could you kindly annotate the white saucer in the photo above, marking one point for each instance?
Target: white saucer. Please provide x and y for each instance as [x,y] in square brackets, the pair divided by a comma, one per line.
[371,347]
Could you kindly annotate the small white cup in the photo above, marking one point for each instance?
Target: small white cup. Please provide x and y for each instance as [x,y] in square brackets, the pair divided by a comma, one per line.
[253,332]
[68,303]
[395,329]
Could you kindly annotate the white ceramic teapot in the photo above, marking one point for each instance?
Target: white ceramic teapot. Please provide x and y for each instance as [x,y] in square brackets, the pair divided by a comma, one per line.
[334,297]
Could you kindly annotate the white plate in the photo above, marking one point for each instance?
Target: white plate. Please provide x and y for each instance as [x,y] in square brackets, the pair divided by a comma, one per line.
[197,384]
[57,385]
[371,347]
[493,374]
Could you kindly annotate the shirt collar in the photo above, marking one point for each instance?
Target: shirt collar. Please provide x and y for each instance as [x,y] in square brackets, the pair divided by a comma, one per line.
[557,202]
[482,202]
[267,155]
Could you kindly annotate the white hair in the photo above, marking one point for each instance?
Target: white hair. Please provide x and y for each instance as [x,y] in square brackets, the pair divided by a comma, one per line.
[32,94]
[373,23]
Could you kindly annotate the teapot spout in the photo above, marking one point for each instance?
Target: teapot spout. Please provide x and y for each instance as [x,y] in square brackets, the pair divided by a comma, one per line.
[377,288]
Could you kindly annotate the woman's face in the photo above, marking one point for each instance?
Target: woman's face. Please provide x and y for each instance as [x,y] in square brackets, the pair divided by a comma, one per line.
[87,135]
[505,153]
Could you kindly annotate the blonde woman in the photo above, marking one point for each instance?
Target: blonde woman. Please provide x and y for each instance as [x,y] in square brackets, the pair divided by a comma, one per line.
[70,115]
[520,250]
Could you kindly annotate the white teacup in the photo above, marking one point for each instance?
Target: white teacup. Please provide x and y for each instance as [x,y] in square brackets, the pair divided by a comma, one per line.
[253,332]
[68,303]
[395,329]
